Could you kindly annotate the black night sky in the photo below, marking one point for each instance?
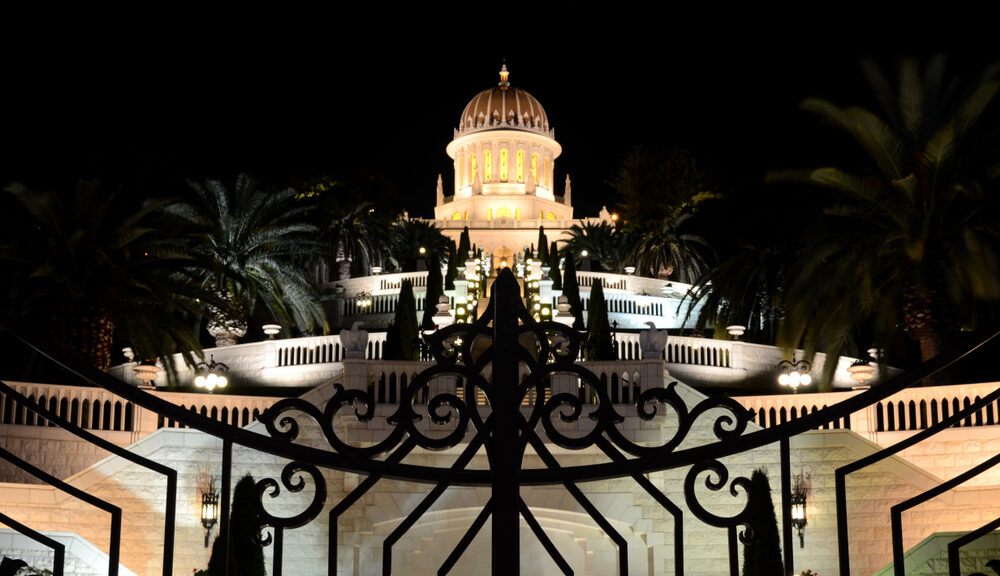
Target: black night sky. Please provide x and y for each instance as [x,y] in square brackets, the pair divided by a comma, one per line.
[287,98]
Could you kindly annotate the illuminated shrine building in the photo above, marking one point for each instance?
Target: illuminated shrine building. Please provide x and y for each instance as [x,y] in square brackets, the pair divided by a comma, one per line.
[504,153]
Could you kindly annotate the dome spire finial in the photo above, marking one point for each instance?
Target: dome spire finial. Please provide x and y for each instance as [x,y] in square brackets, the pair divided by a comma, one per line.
[503,76]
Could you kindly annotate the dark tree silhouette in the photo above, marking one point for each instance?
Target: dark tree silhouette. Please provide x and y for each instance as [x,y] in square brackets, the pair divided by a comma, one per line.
[599,345]
[762,554]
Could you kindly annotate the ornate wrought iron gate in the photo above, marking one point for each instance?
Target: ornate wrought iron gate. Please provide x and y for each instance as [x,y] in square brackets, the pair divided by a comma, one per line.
[531,387]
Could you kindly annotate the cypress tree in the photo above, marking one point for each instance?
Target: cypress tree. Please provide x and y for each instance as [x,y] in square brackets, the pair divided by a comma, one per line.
[543,246]
[246,557]
[599,345]
[571,289]
[434,292]
[403,330]
[464,247]
[449,279]
[554,272]
[762,554]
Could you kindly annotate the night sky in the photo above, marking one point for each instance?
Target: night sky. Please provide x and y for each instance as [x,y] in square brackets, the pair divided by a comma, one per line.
[166,97]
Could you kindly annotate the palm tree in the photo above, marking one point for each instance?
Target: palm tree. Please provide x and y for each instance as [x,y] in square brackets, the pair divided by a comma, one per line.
[745,289]
[604,244]
[665,249]
[414,239]
[355,233]
[251,246]
[87,267]
[661,190]
[909,239]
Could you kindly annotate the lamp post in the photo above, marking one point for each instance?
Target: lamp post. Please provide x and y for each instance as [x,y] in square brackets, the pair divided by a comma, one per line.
[363,301]
[794,374]
[213,375]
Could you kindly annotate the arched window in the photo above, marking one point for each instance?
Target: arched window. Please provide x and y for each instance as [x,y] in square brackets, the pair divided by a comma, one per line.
[472,168]
[550,216]
[487,166]
[517,214]
[456,216]
[503,164]
[503,212]
[520,165]
[534,167]
[489,213]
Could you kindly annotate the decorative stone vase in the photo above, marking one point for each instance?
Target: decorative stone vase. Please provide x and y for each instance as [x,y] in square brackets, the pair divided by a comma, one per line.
[226,332]
[147,372]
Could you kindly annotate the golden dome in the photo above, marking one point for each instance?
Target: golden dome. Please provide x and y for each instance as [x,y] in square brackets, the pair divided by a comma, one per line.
[504,107]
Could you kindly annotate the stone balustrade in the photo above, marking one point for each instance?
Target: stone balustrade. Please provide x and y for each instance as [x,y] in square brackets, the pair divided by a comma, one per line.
[96,409]
[910,409]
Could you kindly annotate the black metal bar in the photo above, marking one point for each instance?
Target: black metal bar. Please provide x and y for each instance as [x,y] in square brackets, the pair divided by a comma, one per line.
[549,460]
[786,506]
[661,499]
[406,524]
[467,538]
[170,511]
[897,510]
[734,554]
[544,539]
[58,548]
[954,545]
[226,496]
[840,480]
[463,460]
[843,549]
[355,495]
[279,544]
[505,459]
[114,547]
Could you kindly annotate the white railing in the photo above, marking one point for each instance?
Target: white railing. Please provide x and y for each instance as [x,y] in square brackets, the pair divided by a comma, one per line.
[910,409]
[322,349]
[94,408]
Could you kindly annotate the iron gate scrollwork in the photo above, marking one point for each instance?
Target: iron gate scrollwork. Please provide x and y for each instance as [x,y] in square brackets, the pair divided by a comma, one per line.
[487,358]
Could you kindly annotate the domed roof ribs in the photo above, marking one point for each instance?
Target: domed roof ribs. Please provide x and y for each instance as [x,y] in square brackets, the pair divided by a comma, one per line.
[490,109]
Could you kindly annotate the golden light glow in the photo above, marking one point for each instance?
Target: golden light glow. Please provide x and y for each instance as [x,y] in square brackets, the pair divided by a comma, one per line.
[534,167]
[517,214]
[487,166]
[472,168]
[489,213]
[503,164]
[550,216]
[520,165]
[456,216]
[503,212]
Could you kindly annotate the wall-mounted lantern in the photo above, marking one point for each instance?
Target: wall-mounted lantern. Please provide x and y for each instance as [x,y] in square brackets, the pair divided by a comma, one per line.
[801,486]
[209,508]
